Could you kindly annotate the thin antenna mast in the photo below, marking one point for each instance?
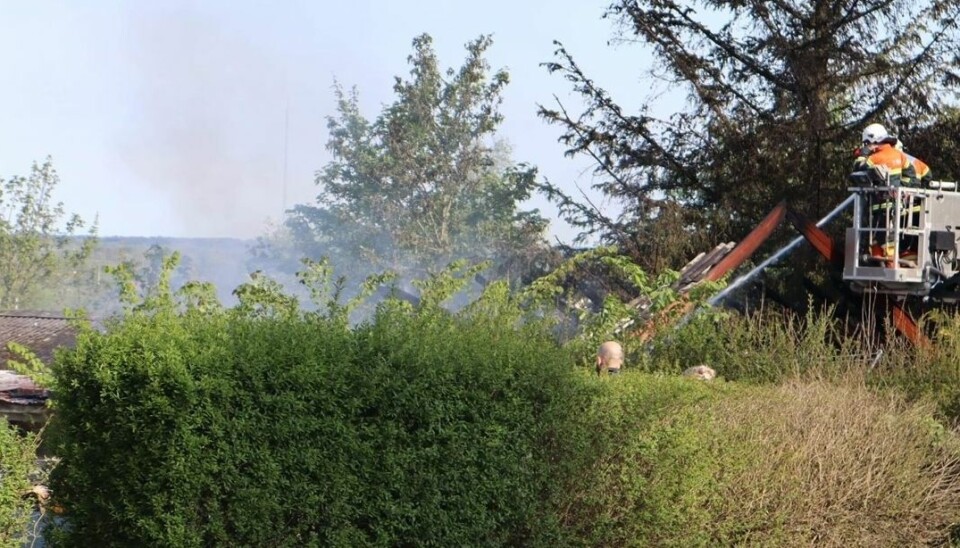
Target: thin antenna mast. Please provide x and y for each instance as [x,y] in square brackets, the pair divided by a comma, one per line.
[286,134]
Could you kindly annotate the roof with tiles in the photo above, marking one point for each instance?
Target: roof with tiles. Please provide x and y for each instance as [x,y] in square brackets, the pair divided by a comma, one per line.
[41,332]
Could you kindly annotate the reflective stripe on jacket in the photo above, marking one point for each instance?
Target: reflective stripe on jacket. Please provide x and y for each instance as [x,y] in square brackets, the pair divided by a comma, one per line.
[922,169]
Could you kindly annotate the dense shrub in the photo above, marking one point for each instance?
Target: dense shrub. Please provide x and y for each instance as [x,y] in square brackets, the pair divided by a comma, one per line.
[646,463]
[833,464]
[267,426]
[227,430]
[679,462]
[16,461]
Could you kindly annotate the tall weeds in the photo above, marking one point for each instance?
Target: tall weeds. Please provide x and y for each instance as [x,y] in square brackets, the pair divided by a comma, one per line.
[765,345]
[834,464]
[678,462]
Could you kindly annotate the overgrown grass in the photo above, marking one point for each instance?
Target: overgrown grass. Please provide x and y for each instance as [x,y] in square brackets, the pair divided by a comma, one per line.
[764,346]
[930,372]
[679,462]
[772,347]
[834,464]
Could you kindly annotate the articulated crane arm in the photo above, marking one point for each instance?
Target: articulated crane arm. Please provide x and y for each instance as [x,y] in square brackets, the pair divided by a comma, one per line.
[820,241]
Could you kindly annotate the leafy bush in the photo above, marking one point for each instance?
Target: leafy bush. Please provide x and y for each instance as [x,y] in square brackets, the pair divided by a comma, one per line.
[225,429]
[16,461]
[267,425]
[678,462]
[645,466]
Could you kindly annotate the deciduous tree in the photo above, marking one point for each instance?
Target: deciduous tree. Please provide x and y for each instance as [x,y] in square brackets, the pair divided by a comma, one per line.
[426,181]
[37,243]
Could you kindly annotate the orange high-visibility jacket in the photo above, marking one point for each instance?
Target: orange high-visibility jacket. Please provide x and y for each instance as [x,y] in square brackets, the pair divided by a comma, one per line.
[922,169]
[897,163]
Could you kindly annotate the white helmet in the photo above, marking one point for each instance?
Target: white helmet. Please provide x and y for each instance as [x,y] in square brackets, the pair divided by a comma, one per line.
[875,134]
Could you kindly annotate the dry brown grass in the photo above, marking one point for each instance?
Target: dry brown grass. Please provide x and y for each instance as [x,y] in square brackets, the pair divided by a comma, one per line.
[834,465]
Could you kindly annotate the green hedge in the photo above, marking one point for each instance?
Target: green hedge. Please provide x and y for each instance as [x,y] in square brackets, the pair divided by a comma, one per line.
[648,467]
[429,429]
[223,430]
[16,461]
[680,462]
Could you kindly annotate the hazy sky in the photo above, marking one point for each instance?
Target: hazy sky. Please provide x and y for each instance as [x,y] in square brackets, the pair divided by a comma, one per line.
[167,118]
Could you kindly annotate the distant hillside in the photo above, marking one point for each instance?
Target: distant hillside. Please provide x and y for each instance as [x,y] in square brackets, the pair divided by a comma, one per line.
[222,261]
[167,241]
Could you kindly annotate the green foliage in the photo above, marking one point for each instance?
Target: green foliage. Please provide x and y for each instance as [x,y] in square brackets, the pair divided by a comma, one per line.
[669,461]
[16,462]
[327,293]
[264,297]
[648,466]
[259,426]
[764,346]
[268,425]
[777,94]
[424,183]
[37,247]
[26,362]
[123,275]
[200,296]
[649,308]
[212,267]
[660,292]
[446,283]
[151,289]
[547,288]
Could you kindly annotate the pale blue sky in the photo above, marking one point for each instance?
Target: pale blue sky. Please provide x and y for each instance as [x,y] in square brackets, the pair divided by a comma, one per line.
[167,118]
